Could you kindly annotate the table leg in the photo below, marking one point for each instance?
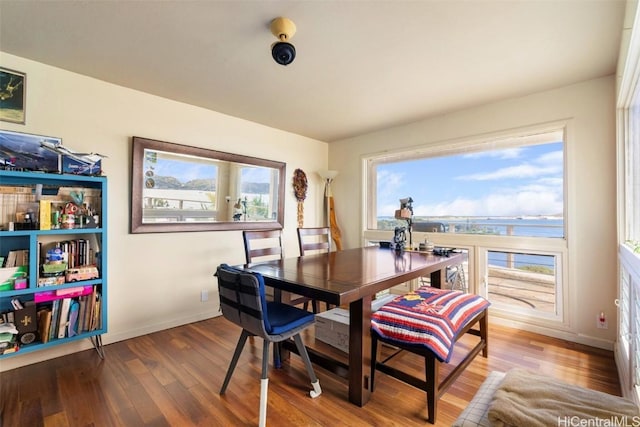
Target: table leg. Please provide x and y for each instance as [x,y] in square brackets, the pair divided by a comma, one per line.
[438,278]
[360,351]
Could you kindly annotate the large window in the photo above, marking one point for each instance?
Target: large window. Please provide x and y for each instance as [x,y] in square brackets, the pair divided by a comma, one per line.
[628,343]
[501,198]
[509,187]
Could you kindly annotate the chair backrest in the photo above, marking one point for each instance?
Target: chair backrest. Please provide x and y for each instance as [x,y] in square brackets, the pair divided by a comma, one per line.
[242,299]
[320,240]
[262,243]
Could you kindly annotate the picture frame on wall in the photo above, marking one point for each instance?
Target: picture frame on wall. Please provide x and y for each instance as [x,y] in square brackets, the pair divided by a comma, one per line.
[13,93]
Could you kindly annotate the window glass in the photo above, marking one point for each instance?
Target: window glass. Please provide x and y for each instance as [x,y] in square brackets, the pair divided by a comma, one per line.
[509,188]
[523,281]
[178,188]
[256,201]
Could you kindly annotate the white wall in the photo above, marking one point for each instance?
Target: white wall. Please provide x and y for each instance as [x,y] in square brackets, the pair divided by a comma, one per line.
[155,279]
[591,185]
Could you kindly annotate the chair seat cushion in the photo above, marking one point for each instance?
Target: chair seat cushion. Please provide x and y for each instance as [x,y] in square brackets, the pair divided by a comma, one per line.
[428,318]
[284,317]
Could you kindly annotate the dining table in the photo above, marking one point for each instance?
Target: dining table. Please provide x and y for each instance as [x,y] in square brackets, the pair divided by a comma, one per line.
[352,277]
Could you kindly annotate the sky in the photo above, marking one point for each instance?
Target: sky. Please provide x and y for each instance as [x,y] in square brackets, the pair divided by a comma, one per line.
[185,168]
[522,181]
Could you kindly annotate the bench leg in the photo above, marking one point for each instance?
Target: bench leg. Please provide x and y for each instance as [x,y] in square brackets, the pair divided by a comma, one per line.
[484,332]
[431,366]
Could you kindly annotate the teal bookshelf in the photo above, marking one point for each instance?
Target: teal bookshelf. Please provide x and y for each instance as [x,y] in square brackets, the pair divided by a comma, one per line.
[24,189]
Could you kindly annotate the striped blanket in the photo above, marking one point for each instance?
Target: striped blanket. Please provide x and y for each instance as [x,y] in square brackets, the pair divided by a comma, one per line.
[428,317]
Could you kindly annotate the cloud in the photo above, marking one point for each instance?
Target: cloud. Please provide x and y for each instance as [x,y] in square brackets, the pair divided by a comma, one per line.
[522,171]
[531,186]
[554,157]
[388,184]
[533,199]
[546,164]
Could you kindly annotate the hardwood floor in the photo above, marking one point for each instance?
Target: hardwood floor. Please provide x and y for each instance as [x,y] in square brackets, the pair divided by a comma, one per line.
[172,378]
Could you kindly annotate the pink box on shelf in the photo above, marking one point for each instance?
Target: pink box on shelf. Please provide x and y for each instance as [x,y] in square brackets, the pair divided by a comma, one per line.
[63,293]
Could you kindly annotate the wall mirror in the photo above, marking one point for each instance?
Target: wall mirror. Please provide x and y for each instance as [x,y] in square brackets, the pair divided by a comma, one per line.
[181,188]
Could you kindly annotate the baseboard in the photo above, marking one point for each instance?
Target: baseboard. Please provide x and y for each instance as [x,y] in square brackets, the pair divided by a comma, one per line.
[555,333]
[20,360]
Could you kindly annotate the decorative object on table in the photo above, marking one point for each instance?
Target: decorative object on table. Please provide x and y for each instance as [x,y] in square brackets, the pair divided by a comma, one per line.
[399,239]
[26,152]
[406,213]
[300,186]
[13,97]
[328,177]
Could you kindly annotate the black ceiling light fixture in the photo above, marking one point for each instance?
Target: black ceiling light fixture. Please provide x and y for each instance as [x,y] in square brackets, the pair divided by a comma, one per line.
[282,51]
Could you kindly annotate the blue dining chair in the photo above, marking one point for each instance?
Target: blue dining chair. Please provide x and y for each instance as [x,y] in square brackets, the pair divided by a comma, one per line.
[243,302]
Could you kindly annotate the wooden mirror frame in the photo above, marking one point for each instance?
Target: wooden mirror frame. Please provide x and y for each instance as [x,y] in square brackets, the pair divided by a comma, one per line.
[138,225]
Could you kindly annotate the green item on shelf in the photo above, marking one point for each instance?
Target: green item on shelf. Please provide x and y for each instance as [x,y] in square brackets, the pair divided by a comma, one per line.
[51,268]
[6,336]
[9,275]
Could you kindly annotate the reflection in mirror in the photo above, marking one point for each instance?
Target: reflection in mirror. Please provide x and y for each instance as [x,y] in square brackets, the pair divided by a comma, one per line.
[182,188]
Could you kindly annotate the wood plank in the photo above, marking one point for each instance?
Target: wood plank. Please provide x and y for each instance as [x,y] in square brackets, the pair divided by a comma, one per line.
[173,377]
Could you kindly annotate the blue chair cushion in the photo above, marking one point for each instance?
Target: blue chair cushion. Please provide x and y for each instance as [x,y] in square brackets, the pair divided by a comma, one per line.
[263,298]
[284,317]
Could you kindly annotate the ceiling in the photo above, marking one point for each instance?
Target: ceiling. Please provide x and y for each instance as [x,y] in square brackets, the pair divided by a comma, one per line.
[360,66]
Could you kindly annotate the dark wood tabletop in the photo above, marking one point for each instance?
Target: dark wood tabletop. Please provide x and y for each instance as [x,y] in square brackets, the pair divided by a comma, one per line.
[353,277]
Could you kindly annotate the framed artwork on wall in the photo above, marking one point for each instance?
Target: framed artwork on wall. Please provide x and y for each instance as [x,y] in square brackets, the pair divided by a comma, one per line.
[13,93]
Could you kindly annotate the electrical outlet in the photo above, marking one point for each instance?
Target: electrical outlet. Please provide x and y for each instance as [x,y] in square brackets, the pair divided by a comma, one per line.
[204,295]
[601,321]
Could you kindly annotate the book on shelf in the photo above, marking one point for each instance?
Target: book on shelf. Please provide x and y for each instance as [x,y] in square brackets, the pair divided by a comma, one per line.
[7,317]
[17,258]
[91,309]
[97,318]
[26,318]
[53,330]
[44,323]
[82,311]
[78,252]
[64,317]
[72,327]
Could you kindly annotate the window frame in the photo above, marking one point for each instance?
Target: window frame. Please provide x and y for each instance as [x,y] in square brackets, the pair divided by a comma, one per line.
[628,193]
[560,289]
[477,243]
[496,141]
